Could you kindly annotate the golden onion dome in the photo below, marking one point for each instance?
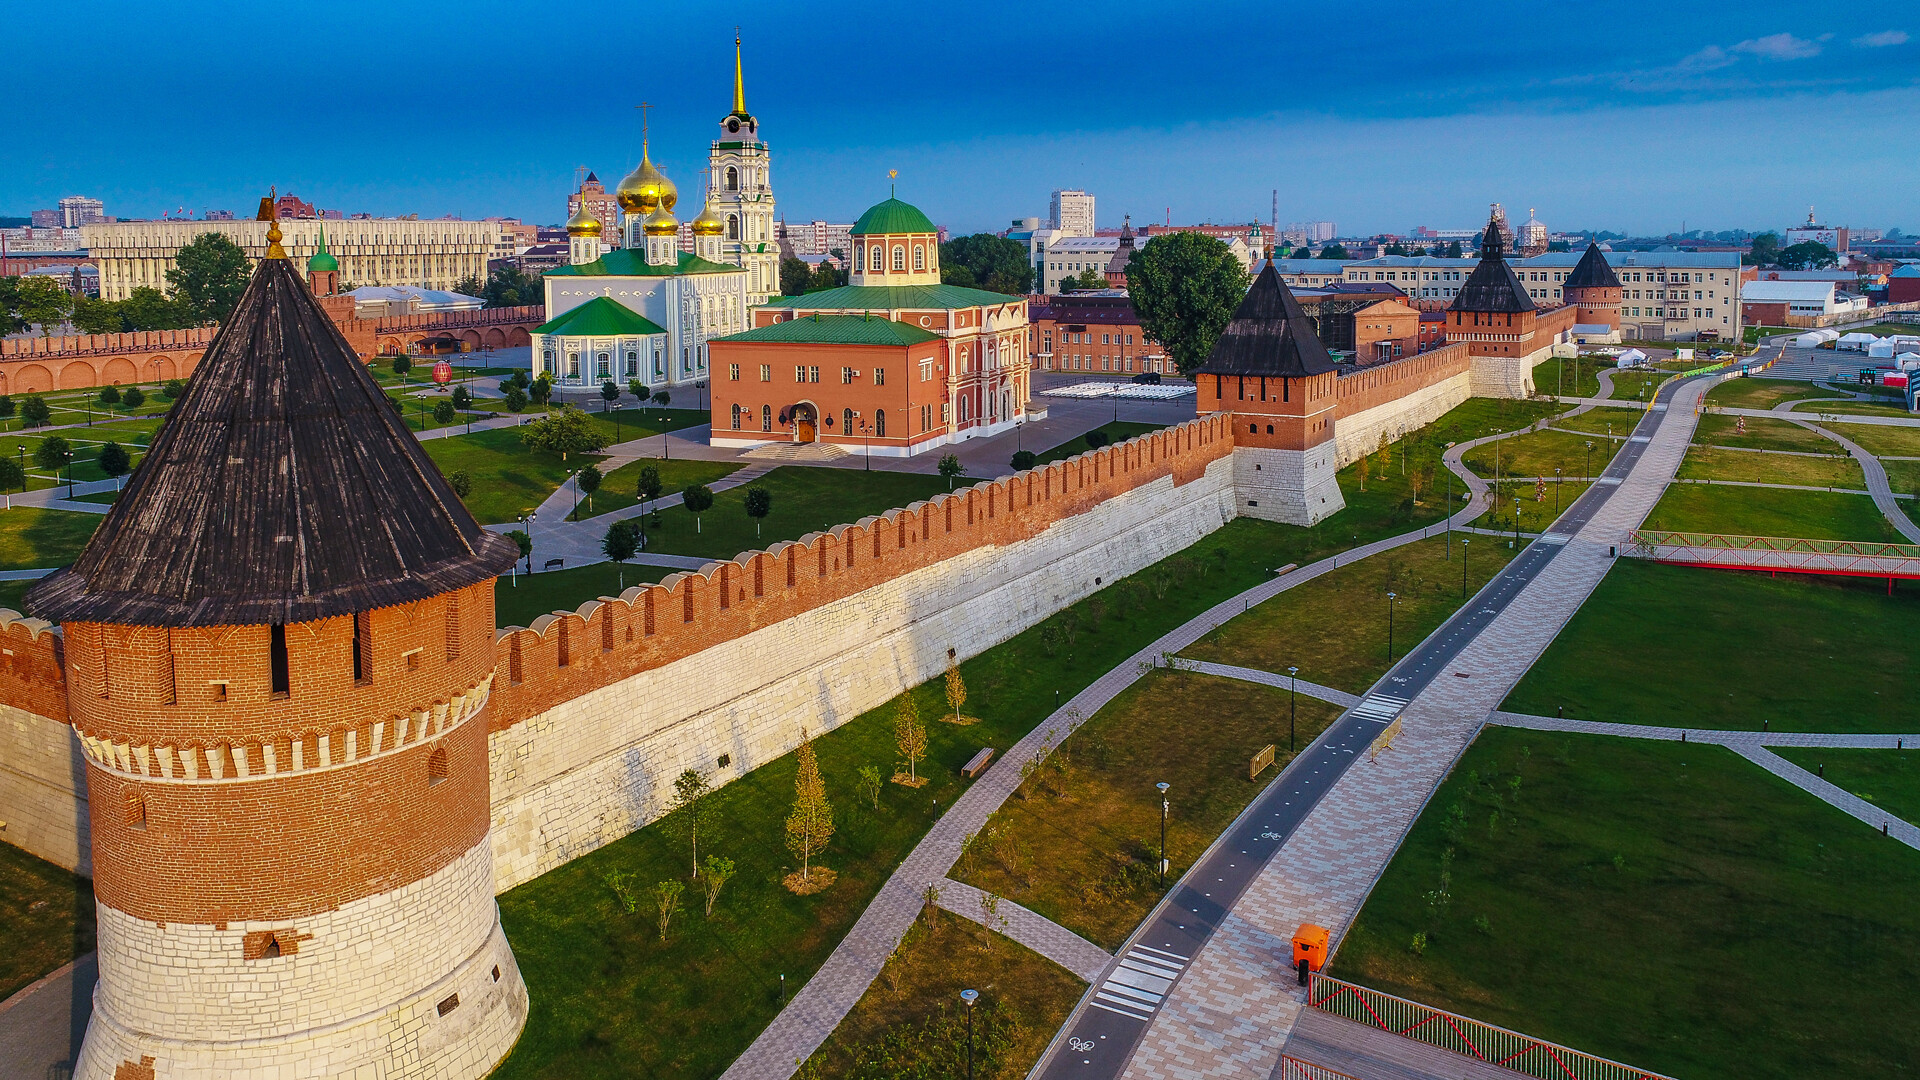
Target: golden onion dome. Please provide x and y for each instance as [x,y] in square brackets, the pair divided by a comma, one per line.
[709,224]
[661,223]
[646,189]
[583,223]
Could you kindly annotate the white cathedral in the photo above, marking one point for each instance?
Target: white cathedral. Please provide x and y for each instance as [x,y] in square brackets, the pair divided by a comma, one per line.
[646,310]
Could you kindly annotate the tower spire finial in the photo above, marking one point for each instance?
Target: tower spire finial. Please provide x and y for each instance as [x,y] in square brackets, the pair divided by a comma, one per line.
[270,213]
[739,82]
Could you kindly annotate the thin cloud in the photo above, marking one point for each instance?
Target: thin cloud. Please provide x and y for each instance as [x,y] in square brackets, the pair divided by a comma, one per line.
[1711,58]
[1882,39]
[1778,47]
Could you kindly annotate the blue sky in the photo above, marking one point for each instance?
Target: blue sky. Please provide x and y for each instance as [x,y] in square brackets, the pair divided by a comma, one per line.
[1632,115]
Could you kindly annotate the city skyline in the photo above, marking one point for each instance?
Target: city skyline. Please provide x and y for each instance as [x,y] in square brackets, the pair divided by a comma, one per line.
[1535,114]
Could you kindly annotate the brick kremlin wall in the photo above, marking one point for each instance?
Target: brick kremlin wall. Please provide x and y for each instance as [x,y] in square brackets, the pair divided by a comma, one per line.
[43,787]
[1394,398]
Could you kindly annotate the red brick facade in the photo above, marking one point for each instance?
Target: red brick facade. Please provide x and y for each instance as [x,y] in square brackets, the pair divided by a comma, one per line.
[859,396]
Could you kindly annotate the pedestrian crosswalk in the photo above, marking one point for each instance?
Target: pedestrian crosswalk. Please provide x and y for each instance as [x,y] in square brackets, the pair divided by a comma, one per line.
[1139,982]
[1380,708]
[1554,539]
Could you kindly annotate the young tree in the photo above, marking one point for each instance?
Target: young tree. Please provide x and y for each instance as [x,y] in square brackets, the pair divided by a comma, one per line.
[956,689]
[667,902]
[759,503]
[541,390]
[718,871]
[34,411]
[113,460]
[515,398]
[208,276]
[525,543]
[110,395]
[638,389]
[622,541]
[910,737]
[951,468]
[699,499]
[662,399]
[690,791]
[810,825]
[12,475]
[609,393]
[461,483]
[1024,460]
[565,431]
[444,412]
[462,398]
[588,481]
[133,398]
[1186,287]
[54,453]
[648,488]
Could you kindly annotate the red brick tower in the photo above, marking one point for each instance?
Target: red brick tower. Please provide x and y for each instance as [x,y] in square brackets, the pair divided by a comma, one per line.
[1495,318]
[280,646]
[1595,289]
[1270,370]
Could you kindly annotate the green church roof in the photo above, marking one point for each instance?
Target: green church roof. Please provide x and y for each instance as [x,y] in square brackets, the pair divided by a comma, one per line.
[322,259]
[601,316]
[892,298]
[893,216]
[837,330]
[628,262]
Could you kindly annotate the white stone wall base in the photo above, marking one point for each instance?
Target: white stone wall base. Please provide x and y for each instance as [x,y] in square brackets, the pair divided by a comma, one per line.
[1295,487]
[1360,433]
[1507,376]
[43,790]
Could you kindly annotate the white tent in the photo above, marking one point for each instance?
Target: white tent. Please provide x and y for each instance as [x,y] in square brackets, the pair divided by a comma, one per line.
[1814,338]
[1631,358]
[1855,342]
[1880,350]
[1907,361]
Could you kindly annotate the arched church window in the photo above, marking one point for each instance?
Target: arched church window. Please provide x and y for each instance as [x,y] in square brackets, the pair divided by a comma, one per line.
[874,262]
[736,418]
[766,418]
[733,226]
[899,258]
[919,257]
[880,423]
[846,421]
[733,179]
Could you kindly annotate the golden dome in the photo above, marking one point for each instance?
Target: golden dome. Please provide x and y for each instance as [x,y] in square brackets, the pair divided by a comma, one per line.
[709,224]
[583,223]
[646,189]
[661,223]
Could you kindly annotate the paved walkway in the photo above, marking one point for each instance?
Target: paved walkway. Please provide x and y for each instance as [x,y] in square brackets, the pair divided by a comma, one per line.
[1232,1010]
[826,998]
[1268,678]
[1877,485]
[1036,932]
[42,1025]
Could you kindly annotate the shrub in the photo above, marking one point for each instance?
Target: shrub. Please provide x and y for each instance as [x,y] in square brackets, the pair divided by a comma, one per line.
[461,483]
[133,398]
[1024,460]
[34,411]
[113,460]
[1097,439]
[444,412]
[173,388]
[109,395]
[516,399]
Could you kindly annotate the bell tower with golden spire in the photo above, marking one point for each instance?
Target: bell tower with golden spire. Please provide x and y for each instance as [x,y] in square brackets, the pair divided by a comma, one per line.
[740,183]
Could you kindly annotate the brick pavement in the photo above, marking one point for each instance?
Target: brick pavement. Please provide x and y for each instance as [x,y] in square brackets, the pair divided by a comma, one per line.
[1029,928]
[1231,1013]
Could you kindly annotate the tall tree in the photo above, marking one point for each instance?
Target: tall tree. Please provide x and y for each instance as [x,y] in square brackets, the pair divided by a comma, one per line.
[1453,250]
[1185,287]
[566,430]
[471,285]
[810,824]
[34,301]
[1765,250]
[1334,251]
[113,460]
[622,541]
[208,276]
[986,261]
[826,276]
[795,275]
[510,286]
[1808,255]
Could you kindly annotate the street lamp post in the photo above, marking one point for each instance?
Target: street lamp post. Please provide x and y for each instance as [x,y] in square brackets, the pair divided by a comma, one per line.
[526,519]
[1390,598]
[1556,490]
[1292,677]
[1162,785]
[1464,541]
[1516,521]
[1589,460]
[969,996]
[616,421]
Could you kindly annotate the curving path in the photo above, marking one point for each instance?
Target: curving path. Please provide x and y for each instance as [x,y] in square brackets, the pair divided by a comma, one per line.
[1876,473]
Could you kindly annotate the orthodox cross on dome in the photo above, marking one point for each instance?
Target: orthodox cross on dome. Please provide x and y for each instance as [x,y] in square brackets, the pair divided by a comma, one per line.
[892,175]
[644,131]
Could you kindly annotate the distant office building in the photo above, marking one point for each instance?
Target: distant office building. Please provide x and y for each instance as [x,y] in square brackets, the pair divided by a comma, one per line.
[1069,256]
[1768,303]
[602,205]
[45,219]
[818,237]
[1072,213]
[294,208]
[217,215]
[78,210]
[1836,239]
[1313,232]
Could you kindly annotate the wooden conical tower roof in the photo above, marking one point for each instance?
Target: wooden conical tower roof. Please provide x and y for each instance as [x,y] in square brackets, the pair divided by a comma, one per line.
[1269,335]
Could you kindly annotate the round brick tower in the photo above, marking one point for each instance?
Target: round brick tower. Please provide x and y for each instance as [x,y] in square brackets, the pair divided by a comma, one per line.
[1595,289]
[279,647]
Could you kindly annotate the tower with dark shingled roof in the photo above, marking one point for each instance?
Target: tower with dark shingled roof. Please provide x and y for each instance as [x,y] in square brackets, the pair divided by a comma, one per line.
[1503,328]
[1594,288]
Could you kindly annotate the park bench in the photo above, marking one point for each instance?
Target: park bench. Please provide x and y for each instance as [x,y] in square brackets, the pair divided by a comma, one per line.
[555,564]
[978,764]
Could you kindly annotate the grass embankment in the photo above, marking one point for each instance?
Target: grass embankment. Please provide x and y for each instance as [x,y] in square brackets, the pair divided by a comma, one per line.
[1334,628]
[1854,408]
[1687,647]
[1594,422]
[1760,433]
[617,487]
[1904,478]
[1079,841]
[508,479]
[805,499]
[1889,779]
[520,599]
[1881,440]
[610,999]
[46,918]
[1639,384]
[1715,463]
[1761,393]
[1669,906]
[1571,378]
[911,1022]
[1115,431]
[1539,453]
[33,537]
[1747,511]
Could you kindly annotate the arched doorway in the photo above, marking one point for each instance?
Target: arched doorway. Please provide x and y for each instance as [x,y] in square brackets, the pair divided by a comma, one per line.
[806,423]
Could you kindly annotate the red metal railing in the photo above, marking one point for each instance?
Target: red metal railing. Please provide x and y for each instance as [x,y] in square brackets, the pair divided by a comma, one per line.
[1463,1035]
[1864,558]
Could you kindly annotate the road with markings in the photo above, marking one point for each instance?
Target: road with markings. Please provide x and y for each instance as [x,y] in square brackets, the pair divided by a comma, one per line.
[1102,1034]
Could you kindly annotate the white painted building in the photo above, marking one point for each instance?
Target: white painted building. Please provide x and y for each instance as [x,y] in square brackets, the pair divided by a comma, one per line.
[1072,213]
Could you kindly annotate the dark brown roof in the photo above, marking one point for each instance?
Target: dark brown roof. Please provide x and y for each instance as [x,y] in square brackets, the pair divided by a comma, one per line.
[1592,271]
[1493,286]
[283,488]
[1268,336]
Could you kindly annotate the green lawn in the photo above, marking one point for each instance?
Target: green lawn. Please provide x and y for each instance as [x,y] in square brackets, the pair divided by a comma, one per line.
[1904,478]
[1539,453]
[1881,440]
[32,537]
[1638,384]
[1856,408]
[508,478]
[1755,333]
[1079,840]
[1761,393]
[46,918]
[1889,779]
[1334,628]
[617,487]
[912,1019]
[1681,646]
[1886,329]
[1594,421]
[805,499]
[1570,378]
[12,595]
[1116,432]
[634,422]
[1672,907]
[520,599]
[1716,463]
[1761,433]
[1747,511]
[1540,505]
[610,1000]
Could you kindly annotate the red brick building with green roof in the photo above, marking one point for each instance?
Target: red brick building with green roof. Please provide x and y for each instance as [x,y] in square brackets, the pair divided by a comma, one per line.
[893,362]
